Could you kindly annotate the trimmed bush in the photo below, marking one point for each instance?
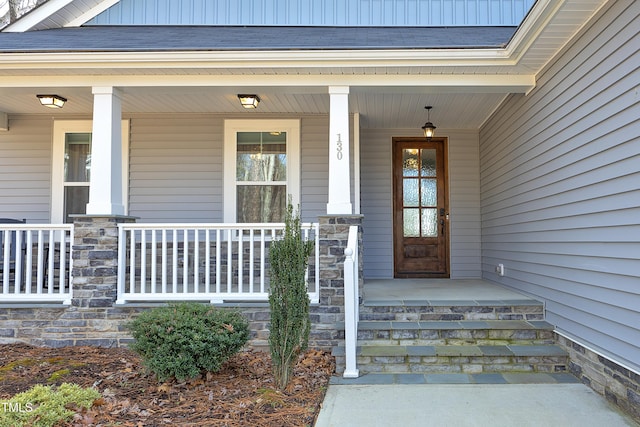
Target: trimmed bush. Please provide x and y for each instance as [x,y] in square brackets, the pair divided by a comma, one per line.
[186,339]
[45,406]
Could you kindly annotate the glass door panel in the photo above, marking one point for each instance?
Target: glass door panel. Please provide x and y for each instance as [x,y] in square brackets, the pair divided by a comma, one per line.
[420,193]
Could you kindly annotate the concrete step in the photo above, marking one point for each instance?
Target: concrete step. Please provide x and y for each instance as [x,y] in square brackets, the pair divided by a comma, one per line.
[452,310]
[446,378]
[469,359]
[464,332]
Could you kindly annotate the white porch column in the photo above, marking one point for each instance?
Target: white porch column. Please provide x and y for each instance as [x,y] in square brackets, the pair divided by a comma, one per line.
[105,186]
[339,176]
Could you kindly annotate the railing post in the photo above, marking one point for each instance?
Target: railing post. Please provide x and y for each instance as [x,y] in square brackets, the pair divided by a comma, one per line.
[351,304]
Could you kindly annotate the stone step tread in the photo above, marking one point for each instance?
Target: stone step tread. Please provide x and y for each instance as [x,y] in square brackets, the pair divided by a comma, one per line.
[452,378]
[450,324]
[545,350]
[452,303]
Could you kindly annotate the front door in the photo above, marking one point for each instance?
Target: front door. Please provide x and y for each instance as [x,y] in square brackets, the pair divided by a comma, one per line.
[420,208]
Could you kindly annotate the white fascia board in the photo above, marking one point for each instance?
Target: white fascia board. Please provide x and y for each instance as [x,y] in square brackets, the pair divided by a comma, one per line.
[36,16]
[258,59]
[504,83]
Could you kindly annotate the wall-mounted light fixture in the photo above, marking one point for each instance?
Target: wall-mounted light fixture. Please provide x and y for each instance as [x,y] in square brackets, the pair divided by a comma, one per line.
[249,101]
[428,128]
[52,101]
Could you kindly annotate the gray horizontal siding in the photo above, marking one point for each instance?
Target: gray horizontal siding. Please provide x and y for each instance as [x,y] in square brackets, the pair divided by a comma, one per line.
[25,169]
[377,203]
[176,168]
[561,187]
[314,166]
[319,12]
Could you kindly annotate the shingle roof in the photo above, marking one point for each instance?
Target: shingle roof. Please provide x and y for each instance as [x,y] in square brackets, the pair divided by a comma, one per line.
[205,38]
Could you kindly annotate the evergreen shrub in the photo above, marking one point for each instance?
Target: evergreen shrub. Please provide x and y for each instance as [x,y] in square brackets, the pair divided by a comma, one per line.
[288,298]
[186,339]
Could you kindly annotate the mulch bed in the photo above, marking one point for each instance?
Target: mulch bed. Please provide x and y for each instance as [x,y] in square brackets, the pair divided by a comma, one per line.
[241,394]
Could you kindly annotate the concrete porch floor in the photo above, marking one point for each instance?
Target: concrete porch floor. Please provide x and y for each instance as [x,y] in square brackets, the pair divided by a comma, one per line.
[438,291]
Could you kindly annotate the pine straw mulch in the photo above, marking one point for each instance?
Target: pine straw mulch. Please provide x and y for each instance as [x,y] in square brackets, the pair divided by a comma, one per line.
[241,394]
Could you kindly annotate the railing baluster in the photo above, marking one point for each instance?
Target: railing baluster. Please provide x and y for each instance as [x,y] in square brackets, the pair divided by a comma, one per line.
[196,261]
[251,261]
[229,260]
[218,259]
[50,261]
[207,261]
[18,264]
[185,261]
[143,262]
[240,261]
[40,266]
[132,261]
[164,261]
[154,261]
[176,248]
[262,260]
[6,253]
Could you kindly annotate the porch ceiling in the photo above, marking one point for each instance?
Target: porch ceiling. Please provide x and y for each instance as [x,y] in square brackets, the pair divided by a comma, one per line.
[377,109]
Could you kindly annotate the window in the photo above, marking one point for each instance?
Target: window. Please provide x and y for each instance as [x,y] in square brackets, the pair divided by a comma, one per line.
[71,170]
[261,169]
[77,172]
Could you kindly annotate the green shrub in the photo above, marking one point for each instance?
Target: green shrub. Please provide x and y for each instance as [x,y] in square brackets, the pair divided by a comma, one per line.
[45,406]
[288,298]
[183,340]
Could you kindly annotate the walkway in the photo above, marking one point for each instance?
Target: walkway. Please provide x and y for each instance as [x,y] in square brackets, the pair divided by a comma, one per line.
[467,405]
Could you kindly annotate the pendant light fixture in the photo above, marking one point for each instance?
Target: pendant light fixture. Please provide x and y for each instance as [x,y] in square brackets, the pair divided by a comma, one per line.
[428,128]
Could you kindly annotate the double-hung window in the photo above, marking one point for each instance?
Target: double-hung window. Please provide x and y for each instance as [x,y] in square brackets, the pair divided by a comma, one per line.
[262,168]
[71,169]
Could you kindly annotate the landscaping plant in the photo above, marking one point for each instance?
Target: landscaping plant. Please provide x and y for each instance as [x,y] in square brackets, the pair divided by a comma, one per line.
[186,339]
[288,298]
[45,406]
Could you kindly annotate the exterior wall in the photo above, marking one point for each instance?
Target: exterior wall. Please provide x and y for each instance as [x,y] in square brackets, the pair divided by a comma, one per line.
[561,188]
[320,12]
[177,161]
[377,202]
[25,169]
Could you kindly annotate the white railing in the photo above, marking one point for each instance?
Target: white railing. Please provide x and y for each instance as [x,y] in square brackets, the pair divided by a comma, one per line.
[214,262]
[351,303]
[35,262]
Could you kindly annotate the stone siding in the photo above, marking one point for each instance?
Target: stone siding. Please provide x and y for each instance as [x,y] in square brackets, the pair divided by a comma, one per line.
[617,384]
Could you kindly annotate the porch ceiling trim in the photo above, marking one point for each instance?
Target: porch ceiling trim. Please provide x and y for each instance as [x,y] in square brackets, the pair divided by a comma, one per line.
[511,83]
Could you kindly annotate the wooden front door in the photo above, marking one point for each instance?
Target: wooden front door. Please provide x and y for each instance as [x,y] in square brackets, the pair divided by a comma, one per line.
[420,208]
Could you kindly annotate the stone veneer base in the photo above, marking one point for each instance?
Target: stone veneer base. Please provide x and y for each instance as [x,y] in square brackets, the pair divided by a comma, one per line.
[617,384]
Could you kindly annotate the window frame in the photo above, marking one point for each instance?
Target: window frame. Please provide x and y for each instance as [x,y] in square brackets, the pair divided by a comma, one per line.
[60,129]
[230,183]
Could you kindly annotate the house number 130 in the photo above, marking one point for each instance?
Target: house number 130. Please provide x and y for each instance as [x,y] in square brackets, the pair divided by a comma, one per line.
[339,147]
